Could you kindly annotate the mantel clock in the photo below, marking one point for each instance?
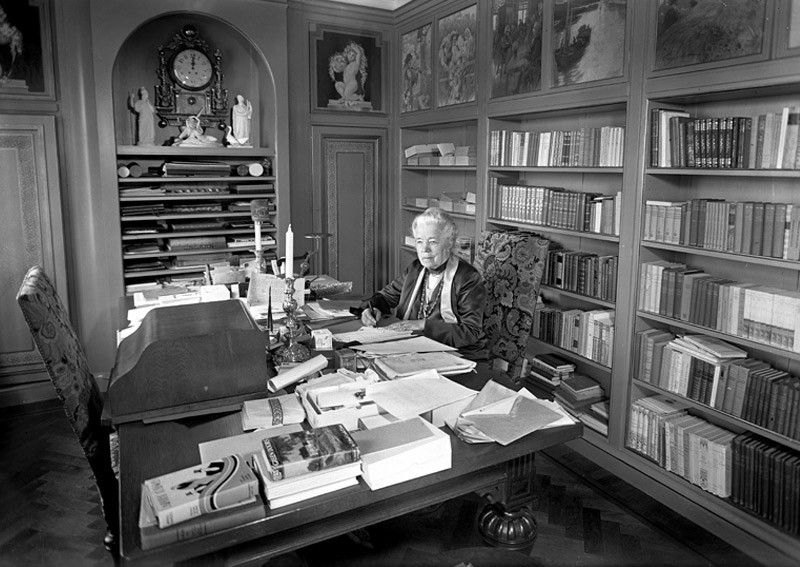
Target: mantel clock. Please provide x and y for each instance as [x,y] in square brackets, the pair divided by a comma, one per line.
[190,81]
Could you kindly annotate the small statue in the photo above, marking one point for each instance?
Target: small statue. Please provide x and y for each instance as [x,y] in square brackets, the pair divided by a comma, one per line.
[192,135]
[242,112]
[146,113]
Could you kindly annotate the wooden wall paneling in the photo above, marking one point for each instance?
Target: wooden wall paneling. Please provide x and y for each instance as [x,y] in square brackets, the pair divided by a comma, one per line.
[31,232]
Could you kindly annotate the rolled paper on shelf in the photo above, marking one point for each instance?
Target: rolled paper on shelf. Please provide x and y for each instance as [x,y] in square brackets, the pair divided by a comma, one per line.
[123,171]
[255,169]
[297,373]
[242,170]
[135,169]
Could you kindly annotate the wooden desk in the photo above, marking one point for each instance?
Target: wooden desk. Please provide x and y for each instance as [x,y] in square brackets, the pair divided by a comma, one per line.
[150,450]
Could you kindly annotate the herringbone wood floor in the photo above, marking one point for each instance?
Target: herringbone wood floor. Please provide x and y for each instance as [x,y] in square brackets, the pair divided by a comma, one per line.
[50,516]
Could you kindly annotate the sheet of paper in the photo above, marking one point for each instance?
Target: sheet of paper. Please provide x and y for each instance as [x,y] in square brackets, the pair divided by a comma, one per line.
[402,346]
[265,286]
[415,395]
[525,416]
[367,335]
[328,309]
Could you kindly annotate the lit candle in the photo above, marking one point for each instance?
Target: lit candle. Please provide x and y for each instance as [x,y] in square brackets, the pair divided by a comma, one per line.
[258,235]
[289,252]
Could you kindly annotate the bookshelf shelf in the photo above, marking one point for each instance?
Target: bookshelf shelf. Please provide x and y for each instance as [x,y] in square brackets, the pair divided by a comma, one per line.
[470,168]
[551,230]
[151,236]
[465,216]
[702,172]
[171,253]
[579,296]
[520,169]
[199,197]
[574,356]
[730,256]
[193,179]
[729,421]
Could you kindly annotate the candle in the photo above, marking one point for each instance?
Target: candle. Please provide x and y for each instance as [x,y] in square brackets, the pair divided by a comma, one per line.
[289,252]
[258,235]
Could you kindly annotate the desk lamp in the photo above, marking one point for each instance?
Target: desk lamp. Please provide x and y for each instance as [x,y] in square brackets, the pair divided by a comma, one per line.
[259,212]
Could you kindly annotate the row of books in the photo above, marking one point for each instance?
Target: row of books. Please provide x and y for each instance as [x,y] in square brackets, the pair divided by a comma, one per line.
[442,154]
[754,228]
[164,227]
[556,207]
[760,313]
[744,387]
[582,272]
[763,141]
[284,469]
[589,334]
[584,147]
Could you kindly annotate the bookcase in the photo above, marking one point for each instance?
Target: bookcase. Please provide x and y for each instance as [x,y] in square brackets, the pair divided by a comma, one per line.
[429,180]
[176,221]
[558,173]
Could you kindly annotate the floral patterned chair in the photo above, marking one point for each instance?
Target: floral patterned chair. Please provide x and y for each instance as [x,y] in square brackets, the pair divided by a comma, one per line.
[511,264]
[66,364]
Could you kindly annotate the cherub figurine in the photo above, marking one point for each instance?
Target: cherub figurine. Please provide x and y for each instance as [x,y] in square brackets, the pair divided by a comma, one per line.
[192,134]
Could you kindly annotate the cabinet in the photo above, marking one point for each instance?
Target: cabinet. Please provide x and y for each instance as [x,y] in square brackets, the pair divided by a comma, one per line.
[185,208]
[429,178]
[559,174]
[723,228]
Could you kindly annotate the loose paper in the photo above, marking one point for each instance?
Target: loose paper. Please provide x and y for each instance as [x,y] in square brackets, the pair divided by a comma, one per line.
[415,395]
[413,344]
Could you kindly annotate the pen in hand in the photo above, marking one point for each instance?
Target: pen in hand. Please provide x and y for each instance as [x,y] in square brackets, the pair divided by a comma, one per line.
[372,321]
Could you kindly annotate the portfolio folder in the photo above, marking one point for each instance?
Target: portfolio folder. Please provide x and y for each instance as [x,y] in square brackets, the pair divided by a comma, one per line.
[189,359]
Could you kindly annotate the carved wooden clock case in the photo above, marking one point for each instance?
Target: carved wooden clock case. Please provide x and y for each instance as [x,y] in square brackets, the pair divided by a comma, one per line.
[190,81]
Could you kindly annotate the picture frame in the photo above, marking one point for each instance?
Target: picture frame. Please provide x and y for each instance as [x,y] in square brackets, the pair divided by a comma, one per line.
[26,52]
[787,28]
[588,41]
[456,56]
[347,70]
[687,33]
[517,30]
[417,74]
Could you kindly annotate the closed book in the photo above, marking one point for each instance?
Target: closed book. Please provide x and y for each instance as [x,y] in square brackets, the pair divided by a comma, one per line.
[296,489]
[306,451]
[203,488]
[151,536]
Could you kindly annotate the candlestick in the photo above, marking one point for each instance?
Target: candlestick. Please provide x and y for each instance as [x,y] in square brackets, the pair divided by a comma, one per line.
[258,235]
[292,350]
[289,263]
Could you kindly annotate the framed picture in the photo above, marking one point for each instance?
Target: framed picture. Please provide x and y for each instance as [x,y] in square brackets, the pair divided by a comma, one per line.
[26,53]
[588,41]
[346,70]
[695,32]
[516,46]
[456,67]
[787,20]
[416,82]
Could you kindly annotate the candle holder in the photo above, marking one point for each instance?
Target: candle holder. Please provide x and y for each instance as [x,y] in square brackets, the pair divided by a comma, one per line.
[260,263]
[291,351]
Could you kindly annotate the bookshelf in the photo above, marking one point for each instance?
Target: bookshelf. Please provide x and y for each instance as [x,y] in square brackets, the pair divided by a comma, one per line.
[427,180]
[173,225]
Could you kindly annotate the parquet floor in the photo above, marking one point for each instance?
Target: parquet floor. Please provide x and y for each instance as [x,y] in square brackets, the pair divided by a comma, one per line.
[50,516]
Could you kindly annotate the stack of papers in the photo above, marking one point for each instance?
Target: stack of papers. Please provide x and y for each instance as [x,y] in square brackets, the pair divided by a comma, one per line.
[328,309]
[402,346]
[403,365]
[498,414]
[367,335]
[272,412]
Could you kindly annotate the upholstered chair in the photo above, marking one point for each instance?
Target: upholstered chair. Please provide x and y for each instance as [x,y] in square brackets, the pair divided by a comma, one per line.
[511,264]
[66,364]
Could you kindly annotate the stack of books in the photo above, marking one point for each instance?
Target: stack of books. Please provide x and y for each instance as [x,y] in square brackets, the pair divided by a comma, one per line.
[546,373]
[578,394]
[308,463]
[202,499]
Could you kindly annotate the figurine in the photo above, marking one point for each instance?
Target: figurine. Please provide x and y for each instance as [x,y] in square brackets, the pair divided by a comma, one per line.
[242,113]
[146,112]
[192,135]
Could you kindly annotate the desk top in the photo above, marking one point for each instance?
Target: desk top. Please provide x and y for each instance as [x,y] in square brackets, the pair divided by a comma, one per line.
[148,450]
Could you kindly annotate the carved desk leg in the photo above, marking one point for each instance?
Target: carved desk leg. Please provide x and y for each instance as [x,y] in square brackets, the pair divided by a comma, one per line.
[507,521]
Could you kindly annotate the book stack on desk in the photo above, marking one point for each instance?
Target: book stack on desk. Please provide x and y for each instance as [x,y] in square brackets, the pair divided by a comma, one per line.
[202,499]
[297,466]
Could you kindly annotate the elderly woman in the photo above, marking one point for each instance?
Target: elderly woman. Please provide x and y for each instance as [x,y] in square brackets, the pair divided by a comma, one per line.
[438,294]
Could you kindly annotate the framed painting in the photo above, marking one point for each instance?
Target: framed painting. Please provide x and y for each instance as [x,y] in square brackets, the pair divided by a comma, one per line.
[416,68]
[26,53]
[516,46]
[696,32]
[588,40]
[456,67]
[787,20]
[346,70]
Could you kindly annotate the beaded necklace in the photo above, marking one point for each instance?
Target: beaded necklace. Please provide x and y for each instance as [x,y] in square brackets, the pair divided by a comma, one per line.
[426,305]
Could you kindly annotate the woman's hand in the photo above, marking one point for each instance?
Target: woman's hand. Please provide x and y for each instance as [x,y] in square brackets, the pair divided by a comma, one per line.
[370,316]
[411,325]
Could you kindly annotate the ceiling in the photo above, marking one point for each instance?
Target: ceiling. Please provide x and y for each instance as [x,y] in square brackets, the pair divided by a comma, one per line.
[383,4]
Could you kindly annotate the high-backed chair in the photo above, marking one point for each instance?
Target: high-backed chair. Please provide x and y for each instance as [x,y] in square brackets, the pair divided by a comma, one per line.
[66,364]
[511,264]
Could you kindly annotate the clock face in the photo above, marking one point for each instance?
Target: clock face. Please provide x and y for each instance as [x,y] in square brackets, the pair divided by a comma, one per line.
[192,69]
